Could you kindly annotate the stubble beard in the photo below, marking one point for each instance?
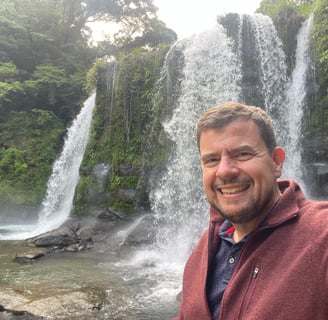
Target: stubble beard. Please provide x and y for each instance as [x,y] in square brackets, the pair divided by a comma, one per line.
[242,215]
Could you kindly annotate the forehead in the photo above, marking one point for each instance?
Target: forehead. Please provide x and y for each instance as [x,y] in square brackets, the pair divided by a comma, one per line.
[239,131]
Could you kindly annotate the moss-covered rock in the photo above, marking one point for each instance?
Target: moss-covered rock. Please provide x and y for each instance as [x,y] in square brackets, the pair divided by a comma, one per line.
[122,130]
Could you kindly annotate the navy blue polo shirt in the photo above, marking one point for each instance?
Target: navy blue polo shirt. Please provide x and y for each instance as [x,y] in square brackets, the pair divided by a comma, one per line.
[223,266]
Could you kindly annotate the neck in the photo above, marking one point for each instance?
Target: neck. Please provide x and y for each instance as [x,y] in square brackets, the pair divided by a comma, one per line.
[240,233]
[244,229]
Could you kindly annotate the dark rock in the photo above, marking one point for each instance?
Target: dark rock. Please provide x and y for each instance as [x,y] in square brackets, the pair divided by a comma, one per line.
[58,238]
[29,257]
[126,169]
[6,314]
[102,171]
[126,195]
[317,180]
[95,196]
[110,214]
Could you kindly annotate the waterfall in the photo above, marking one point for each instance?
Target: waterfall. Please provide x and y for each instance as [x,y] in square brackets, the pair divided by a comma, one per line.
[296,101]
[271,59]
[61,185]
[214,72]
[261,52]
[211,75]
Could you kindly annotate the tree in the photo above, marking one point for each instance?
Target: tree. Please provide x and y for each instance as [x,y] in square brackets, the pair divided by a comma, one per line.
[45,55]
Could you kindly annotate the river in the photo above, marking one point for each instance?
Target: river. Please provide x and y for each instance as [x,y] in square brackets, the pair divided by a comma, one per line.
[90,284]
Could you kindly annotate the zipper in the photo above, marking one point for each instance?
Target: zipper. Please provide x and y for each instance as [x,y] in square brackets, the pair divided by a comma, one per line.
[256,269]
[256,272]
[249,292]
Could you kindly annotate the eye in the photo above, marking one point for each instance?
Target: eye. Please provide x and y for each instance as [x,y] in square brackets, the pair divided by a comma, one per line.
[243,155]
[210,162]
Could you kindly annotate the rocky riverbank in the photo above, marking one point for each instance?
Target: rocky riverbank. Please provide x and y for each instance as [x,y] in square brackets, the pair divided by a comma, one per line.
[64,274]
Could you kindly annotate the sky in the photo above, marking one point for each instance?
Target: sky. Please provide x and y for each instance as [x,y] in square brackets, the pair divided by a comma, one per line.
[186,17]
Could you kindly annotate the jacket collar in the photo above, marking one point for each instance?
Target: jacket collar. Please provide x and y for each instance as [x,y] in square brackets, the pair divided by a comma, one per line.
[289,204]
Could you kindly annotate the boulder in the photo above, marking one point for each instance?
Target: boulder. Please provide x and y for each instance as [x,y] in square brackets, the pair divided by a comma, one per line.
[30,256]
[6,314]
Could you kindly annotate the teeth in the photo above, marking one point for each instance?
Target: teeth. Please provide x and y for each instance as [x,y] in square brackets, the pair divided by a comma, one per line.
[232,190]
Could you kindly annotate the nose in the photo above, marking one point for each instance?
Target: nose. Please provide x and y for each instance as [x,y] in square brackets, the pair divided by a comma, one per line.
[227,168]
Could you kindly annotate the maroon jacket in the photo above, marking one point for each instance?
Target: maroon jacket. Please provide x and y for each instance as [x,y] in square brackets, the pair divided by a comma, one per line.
[282,271]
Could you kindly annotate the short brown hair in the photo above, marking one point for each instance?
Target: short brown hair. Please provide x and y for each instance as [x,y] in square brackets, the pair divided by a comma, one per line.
[219,116]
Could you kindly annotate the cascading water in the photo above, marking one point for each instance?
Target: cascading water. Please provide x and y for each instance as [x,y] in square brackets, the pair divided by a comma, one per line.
[296,101]
[264,67]
[271,58]
[61,186]
[212,74]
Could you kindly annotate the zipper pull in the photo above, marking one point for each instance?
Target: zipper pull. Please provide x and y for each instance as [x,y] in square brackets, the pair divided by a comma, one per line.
[256,272]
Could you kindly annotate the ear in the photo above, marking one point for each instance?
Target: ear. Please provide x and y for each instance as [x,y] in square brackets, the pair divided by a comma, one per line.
[278,158]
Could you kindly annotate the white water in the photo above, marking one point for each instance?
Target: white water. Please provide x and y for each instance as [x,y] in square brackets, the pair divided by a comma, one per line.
[57,204]
[271,59]
[296,100]
[211,75]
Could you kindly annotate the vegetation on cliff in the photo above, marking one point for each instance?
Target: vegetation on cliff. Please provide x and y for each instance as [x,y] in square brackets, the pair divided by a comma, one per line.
[49,64]
[46,53]
[287,16]
[122,126]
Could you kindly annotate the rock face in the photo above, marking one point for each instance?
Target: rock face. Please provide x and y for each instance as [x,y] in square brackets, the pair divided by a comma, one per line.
[316,163]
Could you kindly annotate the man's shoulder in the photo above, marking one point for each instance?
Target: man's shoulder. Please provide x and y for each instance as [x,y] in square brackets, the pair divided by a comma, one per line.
[315,215]
[317,208]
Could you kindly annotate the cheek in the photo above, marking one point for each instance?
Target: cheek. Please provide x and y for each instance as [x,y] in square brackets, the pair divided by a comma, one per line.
[208,178]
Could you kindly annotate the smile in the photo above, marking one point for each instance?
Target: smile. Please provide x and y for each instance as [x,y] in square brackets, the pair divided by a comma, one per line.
[233,190]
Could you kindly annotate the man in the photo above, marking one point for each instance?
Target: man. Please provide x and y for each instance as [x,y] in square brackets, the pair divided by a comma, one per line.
[265,254]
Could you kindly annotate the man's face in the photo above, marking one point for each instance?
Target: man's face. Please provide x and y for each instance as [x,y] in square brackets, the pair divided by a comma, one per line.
[239,174]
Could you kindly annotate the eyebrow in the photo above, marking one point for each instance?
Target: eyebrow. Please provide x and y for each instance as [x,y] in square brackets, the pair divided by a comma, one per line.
[245,147]
[208,155]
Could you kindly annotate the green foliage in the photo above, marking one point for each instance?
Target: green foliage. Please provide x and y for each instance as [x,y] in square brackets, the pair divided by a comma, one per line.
[287,16]
[29,144]
[129,182]
[320,44]
[138,25]
[8,92]
[85,184]
[44,61]
[8,71]
[121,121]
[119,125]
[93,74]
[273,7]
[43,57]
